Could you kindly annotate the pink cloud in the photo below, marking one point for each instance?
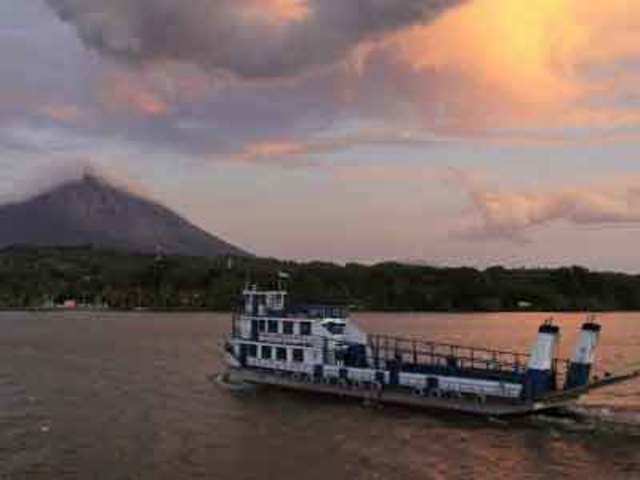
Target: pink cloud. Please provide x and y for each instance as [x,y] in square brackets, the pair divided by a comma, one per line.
[498,64]
[387,174]
[279,150]
[130,93]
[512,215]
[62,113]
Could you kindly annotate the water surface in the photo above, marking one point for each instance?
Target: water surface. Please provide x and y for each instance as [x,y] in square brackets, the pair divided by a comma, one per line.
[113,395]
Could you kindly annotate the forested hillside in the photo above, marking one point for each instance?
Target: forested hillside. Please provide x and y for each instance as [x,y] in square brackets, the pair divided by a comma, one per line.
[35,277]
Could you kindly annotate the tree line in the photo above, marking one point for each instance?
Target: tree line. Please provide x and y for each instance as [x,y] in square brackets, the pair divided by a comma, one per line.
[36,277]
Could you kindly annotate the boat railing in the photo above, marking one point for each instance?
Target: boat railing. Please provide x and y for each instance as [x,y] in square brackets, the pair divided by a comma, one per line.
[419,352]
[316,311]
[312,312]
[281,339]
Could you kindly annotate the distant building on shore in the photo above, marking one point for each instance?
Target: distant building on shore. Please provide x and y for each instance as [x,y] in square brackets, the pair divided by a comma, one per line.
[524,304]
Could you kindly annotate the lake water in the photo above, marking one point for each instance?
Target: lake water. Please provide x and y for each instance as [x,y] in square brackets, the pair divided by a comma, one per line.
[119,396]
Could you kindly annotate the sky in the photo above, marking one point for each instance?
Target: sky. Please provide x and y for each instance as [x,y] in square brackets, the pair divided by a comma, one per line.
[449,132]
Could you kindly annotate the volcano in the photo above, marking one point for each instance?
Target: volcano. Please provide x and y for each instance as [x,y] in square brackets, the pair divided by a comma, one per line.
[92,211]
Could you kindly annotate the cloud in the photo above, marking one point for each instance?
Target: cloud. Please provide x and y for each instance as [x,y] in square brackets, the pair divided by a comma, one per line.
[512,215]
[281,150]
[70,114]
[209,76]
[386,174]
[497,63]
[512,46]
[499,72]
[251,38]
[123,92]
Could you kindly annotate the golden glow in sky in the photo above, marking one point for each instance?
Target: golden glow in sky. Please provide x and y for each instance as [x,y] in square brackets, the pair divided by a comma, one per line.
[538,55]
[278,11]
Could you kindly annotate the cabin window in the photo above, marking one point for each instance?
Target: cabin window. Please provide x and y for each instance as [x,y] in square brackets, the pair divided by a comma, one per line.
[252,350]
[298,355]
[305,328]
[281,354]
[265,352]
[272,325]
[262,325]
[287,327]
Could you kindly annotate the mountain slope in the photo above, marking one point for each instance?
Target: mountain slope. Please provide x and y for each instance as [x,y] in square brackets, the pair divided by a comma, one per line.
[90,211]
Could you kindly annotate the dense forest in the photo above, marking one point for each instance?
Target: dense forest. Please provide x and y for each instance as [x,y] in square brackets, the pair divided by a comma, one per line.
[33,277]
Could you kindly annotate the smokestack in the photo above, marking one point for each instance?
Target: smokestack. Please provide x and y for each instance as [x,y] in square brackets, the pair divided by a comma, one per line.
[580,367]
[541,376]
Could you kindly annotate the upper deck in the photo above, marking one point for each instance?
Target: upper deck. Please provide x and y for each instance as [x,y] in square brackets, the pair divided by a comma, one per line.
[274,303]
[268,316]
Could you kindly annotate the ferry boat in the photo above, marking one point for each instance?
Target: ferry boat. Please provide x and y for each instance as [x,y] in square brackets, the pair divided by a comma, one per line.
[318,348]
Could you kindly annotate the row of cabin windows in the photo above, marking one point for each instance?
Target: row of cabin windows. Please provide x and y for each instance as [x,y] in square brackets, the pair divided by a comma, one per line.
[266,353]
[271,326]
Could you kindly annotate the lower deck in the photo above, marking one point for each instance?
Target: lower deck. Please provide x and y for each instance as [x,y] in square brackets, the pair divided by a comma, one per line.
[310,363]
[472,404]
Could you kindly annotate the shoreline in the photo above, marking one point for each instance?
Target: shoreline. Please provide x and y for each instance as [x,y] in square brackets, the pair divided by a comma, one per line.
[354,312]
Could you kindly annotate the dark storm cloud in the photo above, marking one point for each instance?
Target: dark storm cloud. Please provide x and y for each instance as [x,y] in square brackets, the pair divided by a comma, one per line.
[251,38]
